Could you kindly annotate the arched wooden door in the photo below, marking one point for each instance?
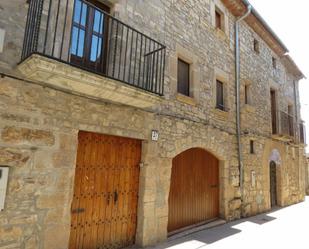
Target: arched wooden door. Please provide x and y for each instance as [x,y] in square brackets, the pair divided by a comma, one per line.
[194,190]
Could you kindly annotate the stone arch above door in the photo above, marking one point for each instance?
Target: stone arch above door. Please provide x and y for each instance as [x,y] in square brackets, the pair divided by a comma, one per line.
[275,157]
[216,149]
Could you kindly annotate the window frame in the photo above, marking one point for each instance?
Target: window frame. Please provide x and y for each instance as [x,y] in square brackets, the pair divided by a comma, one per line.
[221,106]
[246,94]
[274,62]
[219,19]
[251,144]
[186,91]
[256,46]
[88,28]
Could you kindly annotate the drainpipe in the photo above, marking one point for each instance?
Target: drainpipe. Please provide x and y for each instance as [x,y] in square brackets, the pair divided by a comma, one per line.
[237,80]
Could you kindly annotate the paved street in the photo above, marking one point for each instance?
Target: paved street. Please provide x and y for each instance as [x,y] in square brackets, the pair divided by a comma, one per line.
[286,228]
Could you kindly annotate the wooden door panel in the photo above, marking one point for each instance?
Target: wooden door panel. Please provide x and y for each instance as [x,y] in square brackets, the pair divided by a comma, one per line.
[273,184]
[106,184]
[194,190]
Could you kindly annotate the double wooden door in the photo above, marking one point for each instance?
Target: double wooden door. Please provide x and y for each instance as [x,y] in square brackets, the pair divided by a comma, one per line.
[104,207]
[194,190]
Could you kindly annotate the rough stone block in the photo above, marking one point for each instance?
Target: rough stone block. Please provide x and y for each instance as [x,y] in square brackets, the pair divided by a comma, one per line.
[10,234]
[17,135]
[13,157]
[51,201]
[57,235]
[64,159]
[235,204]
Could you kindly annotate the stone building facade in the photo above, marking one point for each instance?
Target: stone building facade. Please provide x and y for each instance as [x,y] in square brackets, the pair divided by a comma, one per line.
[45,103]
[307,175]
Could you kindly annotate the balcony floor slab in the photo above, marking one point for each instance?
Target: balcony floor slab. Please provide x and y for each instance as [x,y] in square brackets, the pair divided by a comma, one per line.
[50,72]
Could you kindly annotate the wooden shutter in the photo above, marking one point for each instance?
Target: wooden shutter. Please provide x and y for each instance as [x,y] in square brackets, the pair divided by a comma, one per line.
[220,98]
[183,78]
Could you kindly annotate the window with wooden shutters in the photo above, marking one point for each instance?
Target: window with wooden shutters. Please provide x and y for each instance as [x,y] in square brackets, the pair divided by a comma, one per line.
[246,94]
[220,97]
[218,19]
[183,75]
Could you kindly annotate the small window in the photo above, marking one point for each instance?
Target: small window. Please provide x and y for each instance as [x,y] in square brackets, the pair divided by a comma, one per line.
[256,46]
[274,62]
[220,97]
[218,19]
[246,94]
[183,82]
[251,147]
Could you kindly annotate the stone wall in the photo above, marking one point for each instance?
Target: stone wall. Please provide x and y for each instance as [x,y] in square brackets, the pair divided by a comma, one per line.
[307,174]
[38,142]
[39,126]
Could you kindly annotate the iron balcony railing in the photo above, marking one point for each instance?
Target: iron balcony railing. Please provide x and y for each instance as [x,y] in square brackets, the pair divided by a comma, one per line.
[283,124]
[80,34]
[286,124]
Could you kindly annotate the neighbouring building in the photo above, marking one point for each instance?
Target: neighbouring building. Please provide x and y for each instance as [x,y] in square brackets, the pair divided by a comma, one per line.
[307,175]
[118,120]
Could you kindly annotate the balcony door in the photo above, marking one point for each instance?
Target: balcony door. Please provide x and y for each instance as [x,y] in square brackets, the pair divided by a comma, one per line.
[89,35]
[273,103]
[291,120]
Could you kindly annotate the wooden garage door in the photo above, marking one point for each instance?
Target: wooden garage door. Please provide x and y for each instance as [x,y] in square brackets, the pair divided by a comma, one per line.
[194,190]
[106,191]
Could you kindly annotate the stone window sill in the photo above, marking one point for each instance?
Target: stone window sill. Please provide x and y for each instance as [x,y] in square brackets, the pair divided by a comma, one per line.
[221,113]
[221,34]
[186,99]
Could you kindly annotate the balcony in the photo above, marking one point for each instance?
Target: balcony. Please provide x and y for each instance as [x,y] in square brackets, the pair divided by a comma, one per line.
[79,47]
[283,126]
[302,133]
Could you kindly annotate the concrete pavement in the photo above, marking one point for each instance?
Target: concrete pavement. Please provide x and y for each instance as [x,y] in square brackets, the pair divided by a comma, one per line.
[284,228]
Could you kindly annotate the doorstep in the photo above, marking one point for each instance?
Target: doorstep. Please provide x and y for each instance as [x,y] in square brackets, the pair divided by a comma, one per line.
[215,223]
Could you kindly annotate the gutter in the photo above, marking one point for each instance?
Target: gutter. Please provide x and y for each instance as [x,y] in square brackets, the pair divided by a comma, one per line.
[237,85]
[264,23]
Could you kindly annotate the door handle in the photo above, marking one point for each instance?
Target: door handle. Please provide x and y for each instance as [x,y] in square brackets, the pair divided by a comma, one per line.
[214,186]
[115,197]
[78,210]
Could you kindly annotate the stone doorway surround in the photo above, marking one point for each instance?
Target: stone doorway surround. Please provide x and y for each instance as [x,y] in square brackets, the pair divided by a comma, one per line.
[155,186]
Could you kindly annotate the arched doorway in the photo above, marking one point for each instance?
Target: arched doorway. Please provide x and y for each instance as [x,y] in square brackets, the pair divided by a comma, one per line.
[273,183]
[194,189]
